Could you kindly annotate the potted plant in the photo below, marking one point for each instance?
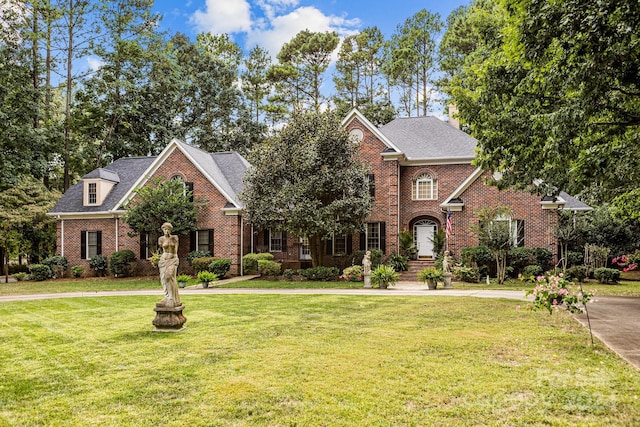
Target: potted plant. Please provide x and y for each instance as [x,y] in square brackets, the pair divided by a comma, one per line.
[204,277]
[384,276]
[182,280]
[430,276]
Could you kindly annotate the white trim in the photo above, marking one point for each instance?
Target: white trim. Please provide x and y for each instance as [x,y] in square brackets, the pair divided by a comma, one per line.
[461,189]
[117,229]
[61,237]
[162,157]
[87,215]
[374,130]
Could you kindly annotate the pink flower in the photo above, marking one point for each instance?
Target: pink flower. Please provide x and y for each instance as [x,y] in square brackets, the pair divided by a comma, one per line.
[555,301]
[517,308]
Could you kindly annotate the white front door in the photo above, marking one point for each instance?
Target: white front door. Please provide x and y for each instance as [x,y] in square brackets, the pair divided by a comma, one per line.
[424,240]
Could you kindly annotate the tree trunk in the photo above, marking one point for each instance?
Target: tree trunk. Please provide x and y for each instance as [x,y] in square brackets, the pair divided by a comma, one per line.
[317,246]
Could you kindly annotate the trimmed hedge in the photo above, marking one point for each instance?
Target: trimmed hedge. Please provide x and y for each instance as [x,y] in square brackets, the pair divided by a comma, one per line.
[607,275]
[197,254]
[201,264]
[250,261]
[269,268]
[57,264]
[39,272]
[120,263]
[99,263]
[321,274]
[220,267]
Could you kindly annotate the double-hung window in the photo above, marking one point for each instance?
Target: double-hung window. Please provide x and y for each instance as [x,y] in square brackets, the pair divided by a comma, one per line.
[90,244]
[374,237]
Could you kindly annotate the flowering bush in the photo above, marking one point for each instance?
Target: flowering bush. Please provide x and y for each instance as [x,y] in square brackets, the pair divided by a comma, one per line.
[628,262]
[353,274]
[553,292]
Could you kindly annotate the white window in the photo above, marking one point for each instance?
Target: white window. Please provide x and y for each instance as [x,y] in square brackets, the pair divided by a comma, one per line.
[275,241]
[149,245]
[92,190]
[339,245]
[305,248]
[514,227]
[203,242]
[373,236]
[424,188]
[92,243]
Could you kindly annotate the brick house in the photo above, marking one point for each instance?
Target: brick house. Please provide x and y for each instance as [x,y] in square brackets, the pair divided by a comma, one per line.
[421,170]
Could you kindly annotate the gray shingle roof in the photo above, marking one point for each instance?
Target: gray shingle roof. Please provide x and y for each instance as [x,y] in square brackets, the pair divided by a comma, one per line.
[128,169]
[429,138]
[226,169]
[103,173]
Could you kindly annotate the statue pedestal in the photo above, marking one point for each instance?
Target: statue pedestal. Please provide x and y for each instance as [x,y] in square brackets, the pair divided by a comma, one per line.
[169,318]
[447,280]
[367,281]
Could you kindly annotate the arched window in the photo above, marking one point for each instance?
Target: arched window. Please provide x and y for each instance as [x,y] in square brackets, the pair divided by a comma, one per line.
[424,188]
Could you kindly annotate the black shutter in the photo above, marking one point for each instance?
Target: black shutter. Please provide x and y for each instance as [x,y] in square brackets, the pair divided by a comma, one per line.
[266,240]
[329,246]
[349,244]
[189,187]
[144,243]
[363,240]
[83,244]
[192,241]
[99,242]
[372,185]
[520,225]
[284,241]
[211,242]
[383,237]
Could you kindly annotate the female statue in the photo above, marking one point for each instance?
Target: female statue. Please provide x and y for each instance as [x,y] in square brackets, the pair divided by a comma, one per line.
[168,266]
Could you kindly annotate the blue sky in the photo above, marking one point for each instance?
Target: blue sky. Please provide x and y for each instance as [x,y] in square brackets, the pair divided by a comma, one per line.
[271,23]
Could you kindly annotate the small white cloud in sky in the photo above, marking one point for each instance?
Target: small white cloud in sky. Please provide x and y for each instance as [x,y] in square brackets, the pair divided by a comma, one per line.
[224,16]
[94,63]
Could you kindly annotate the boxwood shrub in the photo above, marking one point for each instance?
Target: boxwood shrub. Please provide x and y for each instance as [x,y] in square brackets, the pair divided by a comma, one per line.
[120,263]
[250,261]
[269,268]
[607,275]
[201,264]
[220,267]
[321,274]
[39,272]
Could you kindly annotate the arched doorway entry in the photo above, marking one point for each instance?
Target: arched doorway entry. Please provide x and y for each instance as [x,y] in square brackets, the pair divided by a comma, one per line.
[423,232]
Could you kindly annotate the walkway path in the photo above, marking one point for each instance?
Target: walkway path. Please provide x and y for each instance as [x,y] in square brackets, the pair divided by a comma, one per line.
[614,320]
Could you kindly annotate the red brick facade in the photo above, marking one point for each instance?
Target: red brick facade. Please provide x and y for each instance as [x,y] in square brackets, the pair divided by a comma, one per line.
[393,206]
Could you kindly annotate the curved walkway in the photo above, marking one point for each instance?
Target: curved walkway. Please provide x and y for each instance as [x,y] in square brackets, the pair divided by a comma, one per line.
[614,320]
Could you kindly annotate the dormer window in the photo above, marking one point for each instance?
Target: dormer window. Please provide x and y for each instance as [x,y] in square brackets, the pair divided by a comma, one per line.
[92,190]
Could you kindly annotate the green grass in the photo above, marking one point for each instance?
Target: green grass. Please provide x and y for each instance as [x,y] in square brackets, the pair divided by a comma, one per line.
[76,285]
[255,360]
[624,288]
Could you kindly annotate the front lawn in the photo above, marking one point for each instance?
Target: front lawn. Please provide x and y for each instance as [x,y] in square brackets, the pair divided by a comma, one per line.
[255,360]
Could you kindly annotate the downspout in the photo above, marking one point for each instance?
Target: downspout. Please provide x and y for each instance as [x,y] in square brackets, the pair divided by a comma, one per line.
[241,245]
[61,236]
[117,231]
[398,221]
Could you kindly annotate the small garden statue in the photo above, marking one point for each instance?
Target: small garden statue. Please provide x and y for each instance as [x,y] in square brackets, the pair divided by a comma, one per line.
[366,269]
[447,265]
[169,311]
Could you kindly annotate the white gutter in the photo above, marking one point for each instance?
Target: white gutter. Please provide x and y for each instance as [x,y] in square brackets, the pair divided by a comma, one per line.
[61,237]
[117,246]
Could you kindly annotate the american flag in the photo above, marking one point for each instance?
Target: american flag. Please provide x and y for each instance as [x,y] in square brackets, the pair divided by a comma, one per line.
[449,229]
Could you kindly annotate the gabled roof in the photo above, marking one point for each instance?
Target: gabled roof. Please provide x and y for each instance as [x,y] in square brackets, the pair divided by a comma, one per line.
[224,170]
[128,170]
[430,139]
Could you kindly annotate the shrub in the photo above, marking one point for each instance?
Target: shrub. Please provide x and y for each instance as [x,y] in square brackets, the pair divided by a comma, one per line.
[476,256]
[321,274]
[120,263]
[220,266]
[288,274]
[250,261]
[39,272]
[553,292]
[269,268]
[530,272]
[574,258]
[207,276]
[543,257]
[20,276]
[57,264]
[77,271]
[520,257]
[607,275]
[384,276]
[18,268]
[201,264]
[577,273]
[430,273]
[467,274]
[98,263]
[353,274]
[398,262]
[197,254]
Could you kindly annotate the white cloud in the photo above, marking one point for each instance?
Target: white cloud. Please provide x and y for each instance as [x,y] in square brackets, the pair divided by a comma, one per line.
[94,63]
[272,23]
[224,16]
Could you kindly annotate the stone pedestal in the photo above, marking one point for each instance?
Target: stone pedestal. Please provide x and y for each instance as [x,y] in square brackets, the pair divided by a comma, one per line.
[367,281]
[447,280]
[169,318]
